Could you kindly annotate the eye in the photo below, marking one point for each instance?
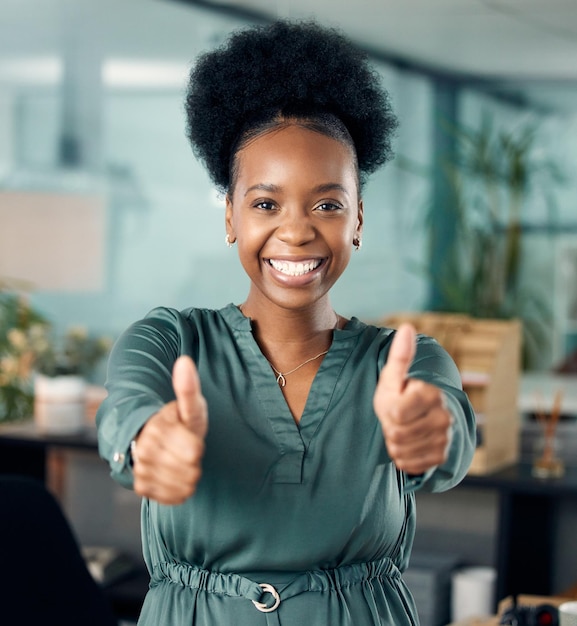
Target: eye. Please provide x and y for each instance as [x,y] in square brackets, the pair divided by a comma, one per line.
[265,205]
[328,206]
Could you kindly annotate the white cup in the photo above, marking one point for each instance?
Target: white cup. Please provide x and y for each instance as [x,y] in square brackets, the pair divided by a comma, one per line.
[60,404]
[472,592]
[568,614]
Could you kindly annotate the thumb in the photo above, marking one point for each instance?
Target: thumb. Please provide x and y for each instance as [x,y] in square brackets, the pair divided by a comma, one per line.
[189,399]
[401,354]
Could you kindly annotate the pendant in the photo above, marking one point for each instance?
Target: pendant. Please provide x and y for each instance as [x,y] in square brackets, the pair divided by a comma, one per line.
[281,380]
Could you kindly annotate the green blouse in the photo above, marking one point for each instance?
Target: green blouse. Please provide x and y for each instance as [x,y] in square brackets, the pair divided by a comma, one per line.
[317,510]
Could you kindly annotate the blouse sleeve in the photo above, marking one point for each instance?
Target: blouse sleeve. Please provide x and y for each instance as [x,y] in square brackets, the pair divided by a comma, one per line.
[139,383]
[433,365]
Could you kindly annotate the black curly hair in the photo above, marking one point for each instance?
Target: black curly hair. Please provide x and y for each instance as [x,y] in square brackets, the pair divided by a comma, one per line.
[288,70]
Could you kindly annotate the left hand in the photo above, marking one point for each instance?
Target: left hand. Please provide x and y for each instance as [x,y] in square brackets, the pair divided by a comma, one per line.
[415,421]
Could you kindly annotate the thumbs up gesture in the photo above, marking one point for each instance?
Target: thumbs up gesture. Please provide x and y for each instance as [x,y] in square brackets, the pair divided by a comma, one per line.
[415,422]
[168,450]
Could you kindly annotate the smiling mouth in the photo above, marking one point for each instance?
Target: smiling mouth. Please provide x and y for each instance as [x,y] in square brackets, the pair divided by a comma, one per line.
[292,268]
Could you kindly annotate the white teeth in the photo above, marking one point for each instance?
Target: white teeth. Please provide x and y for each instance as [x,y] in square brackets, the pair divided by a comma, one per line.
[294,269]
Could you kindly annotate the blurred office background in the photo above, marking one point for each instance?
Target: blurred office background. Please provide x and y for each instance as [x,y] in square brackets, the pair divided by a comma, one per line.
[91,105]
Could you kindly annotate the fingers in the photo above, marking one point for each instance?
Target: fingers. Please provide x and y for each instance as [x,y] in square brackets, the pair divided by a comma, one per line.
[191,404]
[167,466]
[401,354]
[422,443]
[417,399]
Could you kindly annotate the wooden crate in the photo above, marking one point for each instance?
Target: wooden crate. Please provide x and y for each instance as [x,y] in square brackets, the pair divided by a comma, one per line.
[488,355]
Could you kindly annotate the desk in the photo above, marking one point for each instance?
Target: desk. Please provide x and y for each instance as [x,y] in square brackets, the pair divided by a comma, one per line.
[527,506]
[527,516]
[26,451]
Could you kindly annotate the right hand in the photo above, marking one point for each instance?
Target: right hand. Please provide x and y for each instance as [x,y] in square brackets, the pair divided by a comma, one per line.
[170,447]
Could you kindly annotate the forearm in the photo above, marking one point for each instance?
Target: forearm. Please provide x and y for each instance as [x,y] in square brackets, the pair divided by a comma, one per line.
[139,384]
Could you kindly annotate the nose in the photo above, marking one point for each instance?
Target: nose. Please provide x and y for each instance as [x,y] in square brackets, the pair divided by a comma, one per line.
[296,227]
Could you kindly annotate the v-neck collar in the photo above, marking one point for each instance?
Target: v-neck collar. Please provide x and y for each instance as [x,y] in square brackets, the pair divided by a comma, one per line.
[292,439]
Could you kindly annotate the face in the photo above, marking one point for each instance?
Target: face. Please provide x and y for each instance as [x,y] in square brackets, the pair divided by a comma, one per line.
[294,213]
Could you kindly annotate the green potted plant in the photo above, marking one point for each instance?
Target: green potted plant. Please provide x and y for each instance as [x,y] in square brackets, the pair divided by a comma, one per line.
[60,382]
[489,178]
[42,374]
[21,335]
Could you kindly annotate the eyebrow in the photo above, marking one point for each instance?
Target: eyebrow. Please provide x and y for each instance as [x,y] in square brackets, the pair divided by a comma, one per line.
[325,187]
[263,187]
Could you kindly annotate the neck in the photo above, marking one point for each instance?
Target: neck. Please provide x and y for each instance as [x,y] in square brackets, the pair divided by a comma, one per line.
[288,336]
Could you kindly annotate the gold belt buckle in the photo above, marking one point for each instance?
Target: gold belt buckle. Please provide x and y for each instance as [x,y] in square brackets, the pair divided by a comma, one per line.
[261,606]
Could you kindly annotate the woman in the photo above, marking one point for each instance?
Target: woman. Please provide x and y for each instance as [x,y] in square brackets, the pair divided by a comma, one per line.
[276,444]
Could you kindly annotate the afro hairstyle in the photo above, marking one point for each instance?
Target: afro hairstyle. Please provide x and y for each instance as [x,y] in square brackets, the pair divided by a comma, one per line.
[287,69]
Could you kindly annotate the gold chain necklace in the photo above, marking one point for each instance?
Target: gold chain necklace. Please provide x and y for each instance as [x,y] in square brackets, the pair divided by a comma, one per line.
[281,377]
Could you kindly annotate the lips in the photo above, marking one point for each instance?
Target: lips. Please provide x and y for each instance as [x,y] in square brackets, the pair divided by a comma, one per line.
[294,268]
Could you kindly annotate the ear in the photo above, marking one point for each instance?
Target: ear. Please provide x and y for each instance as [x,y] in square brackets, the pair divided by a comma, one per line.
[360,219]
[228,219]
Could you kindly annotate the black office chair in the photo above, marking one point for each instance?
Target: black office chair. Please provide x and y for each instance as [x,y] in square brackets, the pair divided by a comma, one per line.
[43,577]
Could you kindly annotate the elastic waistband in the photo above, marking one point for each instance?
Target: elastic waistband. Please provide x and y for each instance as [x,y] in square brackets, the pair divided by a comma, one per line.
[259,592]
